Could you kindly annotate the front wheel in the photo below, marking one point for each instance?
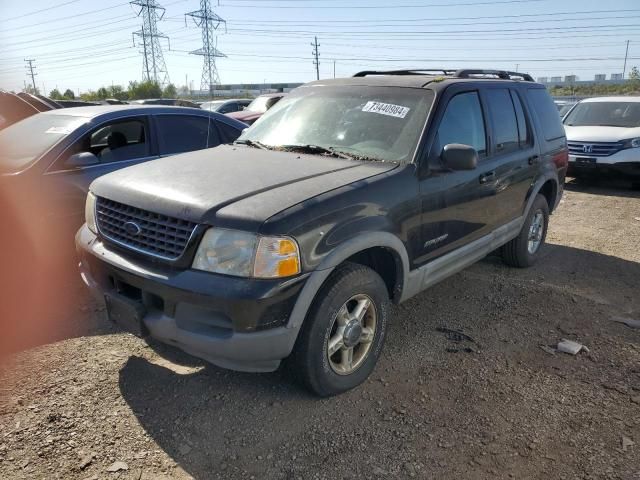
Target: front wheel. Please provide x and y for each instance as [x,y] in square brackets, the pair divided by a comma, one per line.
[344,332]
[524,250]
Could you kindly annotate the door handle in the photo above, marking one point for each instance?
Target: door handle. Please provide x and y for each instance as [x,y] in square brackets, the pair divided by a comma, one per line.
[485,177]
[534,160]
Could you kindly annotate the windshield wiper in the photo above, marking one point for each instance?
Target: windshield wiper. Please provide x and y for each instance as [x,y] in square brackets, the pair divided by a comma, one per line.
[318,149]
[252,143]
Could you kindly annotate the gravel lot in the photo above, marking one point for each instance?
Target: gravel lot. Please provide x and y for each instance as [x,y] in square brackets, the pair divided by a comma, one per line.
[438,406]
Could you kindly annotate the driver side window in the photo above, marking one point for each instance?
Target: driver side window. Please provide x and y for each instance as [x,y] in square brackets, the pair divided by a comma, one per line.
[119,141]
[463,123]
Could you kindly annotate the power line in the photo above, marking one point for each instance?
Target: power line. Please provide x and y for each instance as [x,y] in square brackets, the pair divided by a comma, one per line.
[208,21]
[41,10]
[431,5]
[440,19]
[66,17]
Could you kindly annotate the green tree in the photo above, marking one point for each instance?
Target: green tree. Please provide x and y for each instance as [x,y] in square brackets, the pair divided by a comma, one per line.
[142,90]
[117,92]
[69,95]
[55,94]
[102,93]
[89,96]
[170,91]
[634,74]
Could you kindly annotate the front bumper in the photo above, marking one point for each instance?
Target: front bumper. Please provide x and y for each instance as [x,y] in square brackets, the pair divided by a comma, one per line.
[235,323]
[625,162]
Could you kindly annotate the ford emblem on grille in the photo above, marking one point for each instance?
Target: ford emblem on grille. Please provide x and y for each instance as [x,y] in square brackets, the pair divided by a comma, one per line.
[132,228]
[587,148]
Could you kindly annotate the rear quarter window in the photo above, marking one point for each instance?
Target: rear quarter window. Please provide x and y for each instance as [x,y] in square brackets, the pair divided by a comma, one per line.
[547,113]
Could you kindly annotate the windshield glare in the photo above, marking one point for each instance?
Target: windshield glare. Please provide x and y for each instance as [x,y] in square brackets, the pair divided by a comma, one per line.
[610,114]
[23,142]
[378,123]
[259,104]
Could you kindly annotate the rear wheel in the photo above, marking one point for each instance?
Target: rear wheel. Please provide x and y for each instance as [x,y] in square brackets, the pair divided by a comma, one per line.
[524,250]
[344,332]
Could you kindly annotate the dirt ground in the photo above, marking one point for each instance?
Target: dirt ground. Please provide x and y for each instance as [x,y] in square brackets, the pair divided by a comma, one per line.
[438,406]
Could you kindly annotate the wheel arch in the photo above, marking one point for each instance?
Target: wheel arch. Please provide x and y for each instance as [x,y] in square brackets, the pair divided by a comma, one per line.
[548,186]
[374,249]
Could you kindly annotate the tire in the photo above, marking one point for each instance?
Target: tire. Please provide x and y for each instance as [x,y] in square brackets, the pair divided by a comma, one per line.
[517,252]
[352,286]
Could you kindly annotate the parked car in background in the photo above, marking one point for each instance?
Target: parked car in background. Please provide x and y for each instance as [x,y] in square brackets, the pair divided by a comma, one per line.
[347,194]
[13,109]
[114,101]
[257,108]
[564,106]
[176,102]
[226,106]
[38,102]
[604,136]
[77,103]
[49,159]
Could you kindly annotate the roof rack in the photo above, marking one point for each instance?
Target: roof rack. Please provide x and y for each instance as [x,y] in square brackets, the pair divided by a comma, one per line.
[501,74]
[462,73]
[412,71]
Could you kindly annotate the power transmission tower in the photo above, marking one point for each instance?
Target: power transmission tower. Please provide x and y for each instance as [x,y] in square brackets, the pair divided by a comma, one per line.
[153,66]
[209,22]
[31,73]
[316,56]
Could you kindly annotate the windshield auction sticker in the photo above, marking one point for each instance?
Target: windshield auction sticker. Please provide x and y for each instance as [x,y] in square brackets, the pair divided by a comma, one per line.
[386,109]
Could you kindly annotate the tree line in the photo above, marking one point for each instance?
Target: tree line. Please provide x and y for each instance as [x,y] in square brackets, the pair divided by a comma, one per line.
[135,91]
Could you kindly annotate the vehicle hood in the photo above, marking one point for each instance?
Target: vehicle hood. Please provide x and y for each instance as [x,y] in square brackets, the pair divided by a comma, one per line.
[231,184]
[245,115]
[600,134]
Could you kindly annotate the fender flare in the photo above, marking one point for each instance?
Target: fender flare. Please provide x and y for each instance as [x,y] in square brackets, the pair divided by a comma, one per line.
[339,255]
[535,189]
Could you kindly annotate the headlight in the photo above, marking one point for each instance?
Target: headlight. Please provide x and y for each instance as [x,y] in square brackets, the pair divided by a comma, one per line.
[632,143]
[90,212]
[245,254]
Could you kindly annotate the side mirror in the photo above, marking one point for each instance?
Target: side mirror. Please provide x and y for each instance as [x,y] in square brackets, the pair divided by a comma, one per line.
[457,156]
[82,159]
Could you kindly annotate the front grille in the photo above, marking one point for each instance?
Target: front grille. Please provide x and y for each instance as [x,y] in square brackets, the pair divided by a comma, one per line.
[598,149]
[157,235]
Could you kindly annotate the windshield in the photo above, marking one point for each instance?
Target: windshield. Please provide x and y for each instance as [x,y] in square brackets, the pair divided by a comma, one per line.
[259,105]
[605,114]
[23,142]
[377,123]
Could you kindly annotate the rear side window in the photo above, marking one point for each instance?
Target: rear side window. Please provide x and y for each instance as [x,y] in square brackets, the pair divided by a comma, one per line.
[503,120]
[462,122]
[523,130]
[184,133]
[547,113]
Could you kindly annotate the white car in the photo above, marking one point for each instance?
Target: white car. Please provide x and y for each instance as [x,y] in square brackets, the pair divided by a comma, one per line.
[604,136]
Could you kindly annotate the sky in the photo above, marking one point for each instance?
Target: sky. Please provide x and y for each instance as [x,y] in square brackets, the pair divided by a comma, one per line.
[84,44]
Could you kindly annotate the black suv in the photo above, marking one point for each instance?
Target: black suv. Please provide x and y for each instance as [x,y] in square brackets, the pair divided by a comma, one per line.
[349,193]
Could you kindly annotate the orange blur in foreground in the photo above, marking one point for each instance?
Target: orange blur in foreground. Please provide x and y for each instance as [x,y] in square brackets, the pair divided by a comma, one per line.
[38,274]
